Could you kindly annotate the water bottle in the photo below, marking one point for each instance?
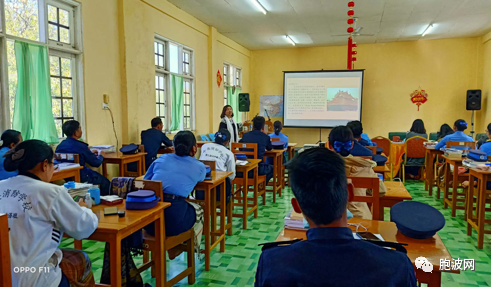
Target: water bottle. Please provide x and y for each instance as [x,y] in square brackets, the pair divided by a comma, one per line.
[88,200]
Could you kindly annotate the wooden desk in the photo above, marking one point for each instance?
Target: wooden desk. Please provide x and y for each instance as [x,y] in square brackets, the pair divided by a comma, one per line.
[278,176]
[113,229]
[201,143]
[478,220]
[5,267]
[291,150]
[213,236]
[164,150]
[431,154]
[432,248]
[396,192]
[73,173]
[382,169]
[244,169]
[452,201]
[122,160]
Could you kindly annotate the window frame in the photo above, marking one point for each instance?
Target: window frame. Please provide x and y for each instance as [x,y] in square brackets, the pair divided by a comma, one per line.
[231,80]
[187,77]
[74,51]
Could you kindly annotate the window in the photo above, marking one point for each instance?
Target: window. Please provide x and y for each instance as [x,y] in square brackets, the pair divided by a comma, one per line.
[172,58]
[226,68]
[232,77]
[55,24]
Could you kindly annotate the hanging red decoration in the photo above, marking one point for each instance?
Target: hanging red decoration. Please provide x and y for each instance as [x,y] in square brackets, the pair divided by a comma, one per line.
[219,78]
[419,97]
[351,44]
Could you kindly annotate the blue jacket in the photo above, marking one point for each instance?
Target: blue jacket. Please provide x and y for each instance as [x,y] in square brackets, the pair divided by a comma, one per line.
[71,145]
[3,173]
[261,139]
[486,147]
[456,136]
[329,257]
[153,139]
[359,150]
[366,138]
[281,136]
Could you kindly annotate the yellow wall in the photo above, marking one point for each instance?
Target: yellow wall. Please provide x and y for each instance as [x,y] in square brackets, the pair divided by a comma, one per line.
[486,81]
[446,69]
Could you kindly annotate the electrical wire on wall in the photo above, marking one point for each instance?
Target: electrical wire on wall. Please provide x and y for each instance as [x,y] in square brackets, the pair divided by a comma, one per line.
[114,129]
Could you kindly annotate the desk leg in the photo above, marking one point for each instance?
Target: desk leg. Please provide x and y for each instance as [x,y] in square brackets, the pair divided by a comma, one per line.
[121,169]
[275,175]
[256,191]
[207,228]
[445,187]
[77,176]
[77,244]
[282,174]
[139,167]
[115,249]
[481,208]
[470,204]
[213,214]
[426,171]
[223,212]
[454,189]
[159,259]
[435,279]
[104,169]
[245,189]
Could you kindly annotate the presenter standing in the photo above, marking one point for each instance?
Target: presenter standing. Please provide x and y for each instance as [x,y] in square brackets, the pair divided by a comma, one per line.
[228,123]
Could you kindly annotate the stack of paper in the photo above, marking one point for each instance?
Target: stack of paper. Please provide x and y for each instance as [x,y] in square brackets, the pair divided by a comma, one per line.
[66,165]
[294,221]
[104,148]
[80,189]
[241,162]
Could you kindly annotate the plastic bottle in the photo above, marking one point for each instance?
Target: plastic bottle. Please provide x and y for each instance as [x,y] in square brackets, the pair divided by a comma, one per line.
[88,200]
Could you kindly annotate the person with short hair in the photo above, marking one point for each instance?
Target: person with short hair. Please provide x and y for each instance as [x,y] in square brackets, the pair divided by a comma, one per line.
[259,137]
[486,146]
[224,160]
[278,127]
[459,127]
[417,130]
[39,213]
[357,129]
[152,139]
[227,122]
[179,173]
[342,142]
[10,138]
[330,253]
[72,144]
[445,130]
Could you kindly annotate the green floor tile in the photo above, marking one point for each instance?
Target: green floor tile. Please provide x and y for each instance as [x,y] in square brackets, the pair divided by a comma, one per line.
[237,266]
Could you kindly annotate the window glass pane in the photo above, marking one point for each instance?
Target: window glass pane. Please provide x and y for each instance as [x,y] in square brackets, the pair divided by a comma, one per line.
[53,32]
[52,14]
[162,110]
[58,124]
[54,66]
[56,107]
[67,88]
[158,110]
[157,96]
[162,97]
[55,87]
[66,68]
[156,82]
[64,35]
[22,19]
[174,58]
[64,18]
[12,75]
[67,108]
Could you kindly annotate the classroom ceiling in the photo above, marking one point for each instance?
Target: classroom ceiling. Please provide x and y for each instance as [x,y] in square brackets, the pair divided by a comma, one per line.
[317,22]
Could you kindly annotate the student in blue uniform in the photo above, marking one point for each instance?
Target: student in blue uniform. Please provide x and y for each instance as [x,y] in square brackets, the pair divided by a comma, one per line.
[357,129]
[10,139]
[278,135]
[72,144]
[179,173]
[258,136]
[358,149]
[459,127]
[153,139]
[445,130]
[486,147]
[330,253]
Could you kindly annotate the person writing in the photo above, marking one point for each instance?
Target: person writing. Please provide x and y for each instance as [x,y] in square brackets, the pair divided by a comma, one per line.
[72,144]
[10,139]
[228,123]
[330,253]
[39,213]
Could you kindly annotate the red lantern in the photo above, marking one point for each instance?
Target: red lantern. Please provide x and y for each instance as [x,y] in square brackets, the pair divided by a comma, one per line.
[354,59]
[351,4]
[355,52]
[354,45]
[350,30]
[351,13]
[351,21]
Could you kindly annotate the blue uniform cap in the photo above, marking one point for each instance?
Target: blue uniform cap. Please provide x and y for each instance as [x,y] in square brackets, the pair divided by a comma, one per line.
[141,200]
[278,144]
[129,149]
[416,219]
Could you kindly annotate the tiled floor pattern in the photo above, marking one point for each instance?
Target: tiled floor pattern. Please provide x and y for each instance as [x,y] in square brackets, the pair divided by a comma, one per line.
[237,266]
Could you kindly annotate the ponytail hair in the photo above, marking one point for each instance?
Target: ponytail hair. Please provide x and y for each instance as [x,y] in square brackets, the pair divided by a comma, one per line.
[27,155]
[222,136]
[341,139]
[10,137]
[184,141]
[461,125]
[277,127]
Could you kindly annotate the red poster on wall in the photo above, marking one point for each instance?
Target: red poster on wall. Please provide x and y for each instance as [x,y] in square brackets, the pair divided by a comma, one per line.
[219,78]
[419,97]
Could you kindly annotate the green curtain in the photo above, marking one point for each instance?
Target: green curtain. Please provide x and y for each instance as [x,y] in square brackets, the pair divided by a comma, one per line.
[177,97]
[33,115]
[233,101]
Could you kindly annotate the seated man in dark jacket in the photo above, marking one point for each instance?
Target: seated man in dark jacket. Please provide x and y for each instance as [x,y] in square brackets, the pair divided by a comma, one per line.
[330,253]
[72,144]
[153,139]
[263,141]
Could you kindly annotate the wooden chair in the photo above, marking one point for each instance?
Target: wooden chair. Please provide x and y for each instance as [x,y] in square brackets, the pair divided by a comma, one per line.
[461,145]
[283,169]
[244,186]
[5,268]
[374,199]
[134,173]
[386,145]
[169,243]
[414,149]
[229,207]
[373,149]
